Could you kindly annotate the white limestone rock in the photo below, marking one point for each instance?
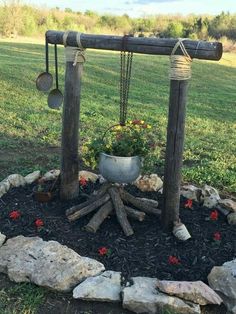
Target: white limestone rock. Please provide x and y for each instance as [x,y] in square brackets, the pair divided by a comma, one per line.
[32,177]
[2,239]
[50,175]
[191,192]
[148,183]
[143,297]
[105,287]
[223,280]
[232,219]
[228,204]
[45,263]
[16,180]
[4,187]
[210,196]
[88,175]
[195,291]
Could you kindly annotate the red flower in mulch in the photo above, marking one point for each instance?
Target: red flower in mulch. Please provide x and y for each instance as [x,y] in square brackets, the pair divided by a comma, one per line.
[188,204]
[173,260]
[214,215]
[39,223]
[217,236]
[15,214]
[83,181]
[103,251]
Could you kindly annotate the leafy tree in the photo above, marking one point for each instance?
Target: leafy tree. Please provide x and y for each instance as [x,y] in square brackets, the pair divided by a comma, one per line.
[174,30]
[68,10]
[11,21]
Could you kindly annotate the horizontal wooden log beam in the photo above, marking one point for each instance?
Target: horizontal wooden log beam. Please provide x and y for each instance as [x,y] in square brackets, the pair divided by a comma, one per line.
[146,45]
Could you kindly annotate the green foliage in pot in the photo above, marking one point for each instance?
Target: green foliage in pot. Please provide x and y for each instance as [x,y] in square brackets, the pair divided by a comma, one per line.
[133,139]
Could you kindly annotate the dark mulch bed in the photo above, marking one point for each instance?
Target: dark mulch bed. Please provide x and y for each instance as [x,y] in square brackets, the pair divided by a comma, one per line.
[145,253]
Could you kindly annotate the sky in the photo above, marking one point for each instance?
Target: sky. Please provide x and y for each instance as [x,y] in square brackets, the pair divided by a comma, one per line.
[136,8]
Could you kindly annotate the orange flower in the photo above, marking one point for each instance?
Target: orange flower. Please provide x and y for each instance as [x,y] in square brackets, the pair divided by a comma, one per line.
[39,223]
[188,204]
[15,214]
[214,215]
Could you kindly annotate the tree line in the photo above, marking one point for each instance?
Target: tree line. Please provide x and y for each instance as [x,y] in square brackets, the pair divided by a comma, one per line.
[24,20]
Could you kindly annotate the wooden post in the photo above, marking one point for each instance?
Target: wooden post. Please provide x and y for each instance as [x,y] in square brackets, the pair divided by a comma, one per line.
[70,132]
[174,151]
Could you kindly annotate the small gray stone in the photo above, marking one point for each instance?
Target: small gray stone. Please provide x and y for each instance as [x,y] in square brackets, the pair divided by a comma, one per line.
[4,186]
[210,196]
[191,192]
[143,297]
[45,263]
[31,177]
[105,287]
[232,219]
[88,175]
[101,179]
[228,204]
[50,175]
[223,280]
[16,180]
[148,183]
[2,239]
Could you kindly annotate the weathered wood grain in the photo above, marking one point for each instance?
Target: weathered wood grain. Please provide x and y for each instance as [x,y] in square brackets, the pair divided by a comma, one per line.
[174,151]
[70,132]
[138,203]
[157,46]
[96,221]
[89,208]
[120,211]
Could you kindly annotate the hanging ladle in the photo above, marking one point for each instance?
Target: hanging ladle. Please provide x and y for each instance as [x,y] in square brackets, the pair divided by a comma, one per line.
[55,97]
[44,80]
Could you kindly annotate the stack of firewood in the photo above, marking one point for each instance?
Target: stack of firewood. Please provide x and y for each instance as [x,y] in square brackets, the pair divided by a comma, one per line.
[113,198]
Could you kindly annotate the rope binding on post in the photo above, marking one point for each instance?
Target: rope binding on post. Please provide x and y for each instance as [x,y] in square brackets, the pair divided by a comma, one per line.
[74,54]
[180,65]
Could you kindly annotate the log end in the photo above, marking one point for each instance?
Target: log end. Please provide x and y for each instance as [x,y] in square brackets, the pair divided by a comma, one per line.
[219,50]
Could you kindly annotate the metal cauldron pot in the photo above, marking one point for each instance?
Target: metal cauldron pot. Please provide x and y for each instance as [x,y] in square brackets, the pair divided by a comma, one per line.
[119,169]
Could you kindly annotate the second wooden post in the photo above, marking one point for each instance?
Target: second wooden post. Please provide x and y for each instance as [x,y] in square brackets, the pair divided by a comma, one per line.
[70,129]
[174,152]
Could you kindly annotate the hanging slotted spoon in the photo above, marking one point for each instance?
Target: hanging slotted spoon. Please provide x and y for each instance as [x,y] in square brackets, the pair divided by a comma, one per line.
[55,97]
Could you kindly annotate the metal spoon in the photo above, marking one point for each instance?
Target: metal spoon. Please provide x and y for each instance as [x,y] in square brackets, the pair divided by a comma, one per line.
[55,97]
[44,80]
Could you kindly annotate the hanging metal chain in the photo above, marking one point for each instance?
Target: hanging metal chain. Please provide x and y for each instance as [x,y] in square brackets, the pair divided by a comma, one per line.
[126,58]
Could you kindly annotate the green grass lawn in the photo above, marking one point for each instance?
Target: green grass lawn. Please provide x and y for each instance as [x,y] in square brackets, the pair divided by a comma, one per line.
[30,131]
